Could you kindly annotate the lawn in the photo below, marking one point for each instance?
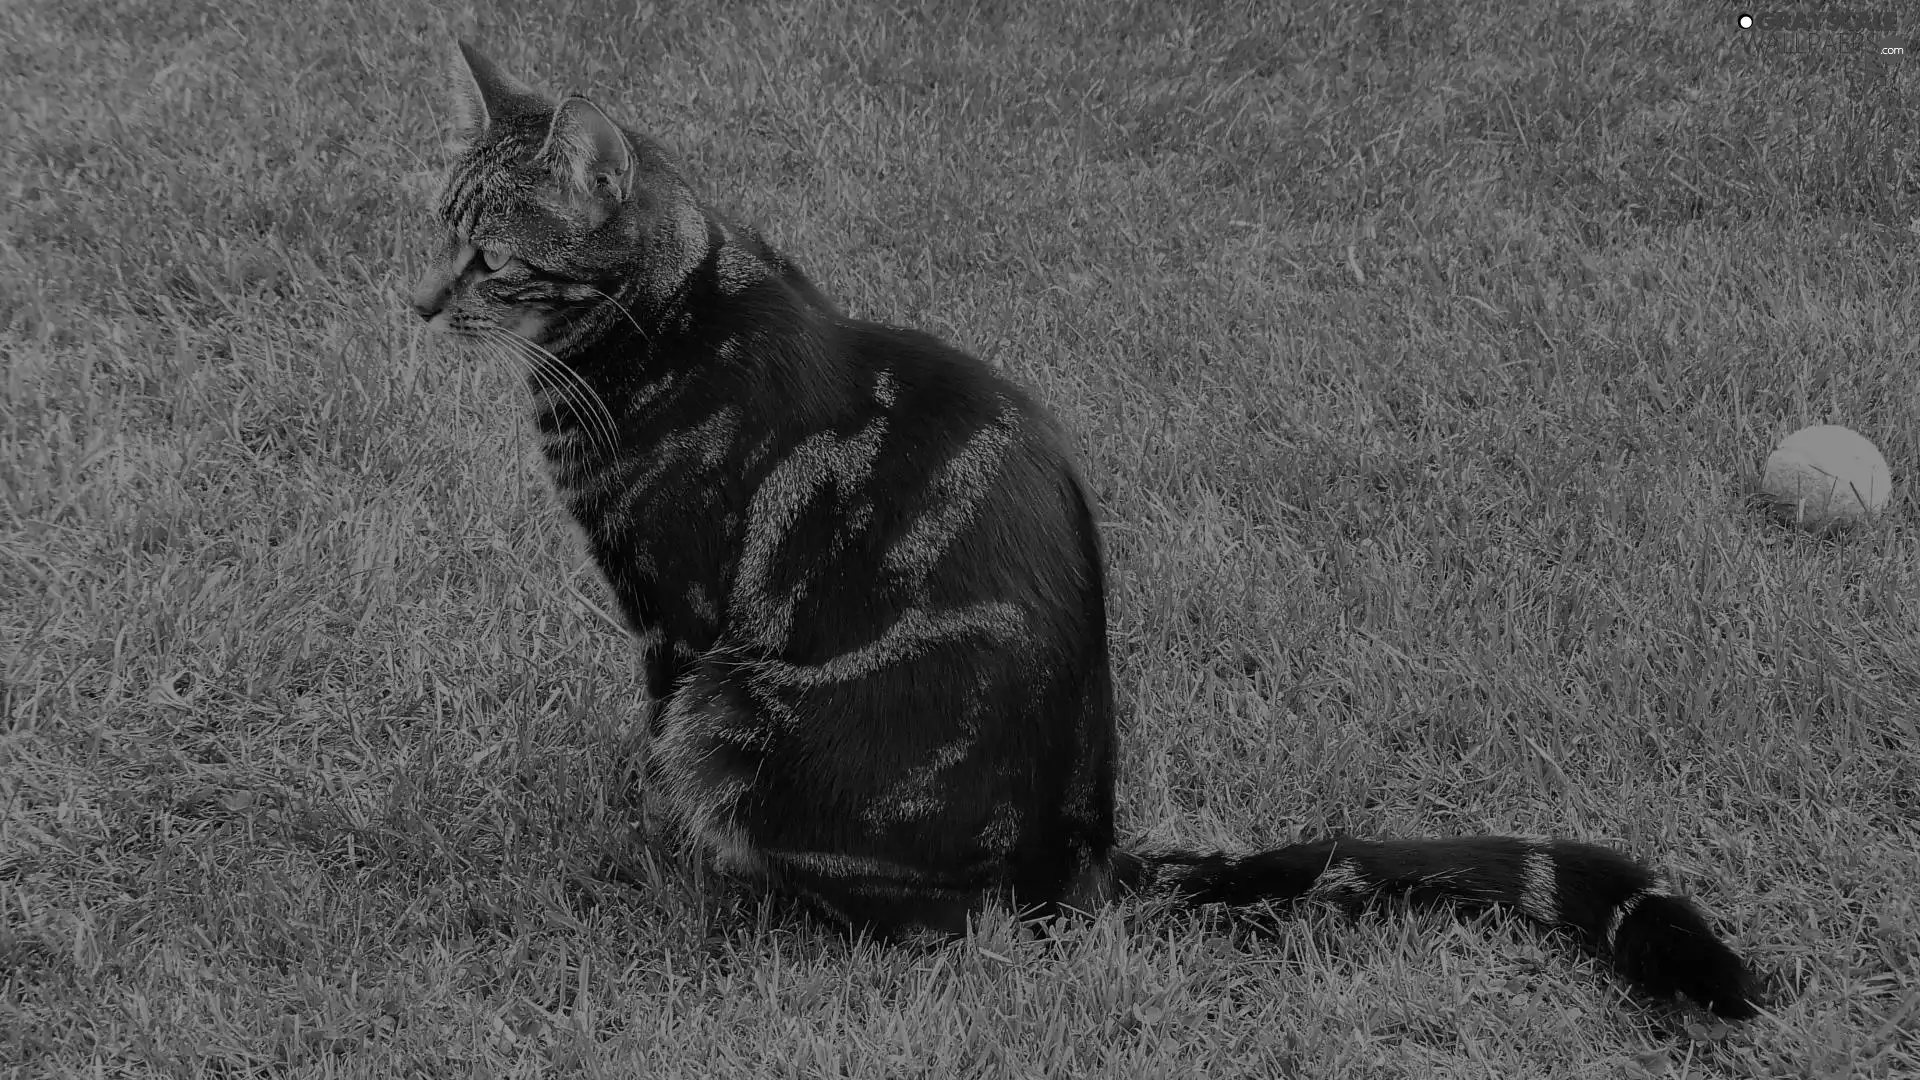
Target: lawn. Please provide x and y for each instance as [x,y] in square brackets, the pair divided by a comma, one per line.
[1421,354]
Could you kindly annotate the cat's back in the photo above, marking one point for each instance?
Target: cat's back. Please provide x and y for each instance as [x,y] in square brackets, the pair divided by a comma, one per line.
[932,482]
[984,475]
[954,419]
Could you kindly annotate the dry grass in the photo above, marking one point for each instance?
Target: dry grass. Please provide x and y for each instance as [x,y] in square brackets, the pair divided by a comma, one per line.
[1423,357]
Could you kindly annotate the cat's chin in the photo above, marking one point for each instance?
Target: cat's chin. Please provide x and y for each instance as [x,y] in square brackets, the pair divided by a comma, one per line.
[531,326]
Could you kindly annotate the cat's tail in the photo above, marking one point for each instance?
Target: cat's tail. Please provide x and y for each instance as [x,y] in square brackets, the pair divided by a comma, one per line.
[1618,908]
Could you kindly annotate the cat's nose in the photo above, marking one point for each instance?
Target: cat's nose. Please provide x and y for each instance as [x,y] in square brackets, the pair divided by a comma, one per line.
[430,296]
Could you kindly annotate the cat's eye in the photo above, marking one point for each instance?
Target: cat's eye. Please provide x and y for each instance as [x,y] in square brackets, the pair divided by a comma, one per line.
[495,258]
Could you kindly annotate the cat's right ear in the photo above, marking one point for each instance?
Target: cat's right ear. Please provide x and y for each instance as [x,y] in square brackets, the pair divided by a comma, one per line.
[481,93]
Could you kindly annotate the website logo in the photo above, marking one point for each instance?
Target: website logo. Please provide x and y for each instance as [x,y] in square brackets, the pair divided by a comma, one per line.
[1887,43]
[1836,19]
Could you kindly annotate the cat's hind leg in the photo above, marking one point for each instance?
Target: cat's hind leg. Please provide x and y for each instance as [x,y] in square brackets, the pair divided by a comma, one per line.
[735,780]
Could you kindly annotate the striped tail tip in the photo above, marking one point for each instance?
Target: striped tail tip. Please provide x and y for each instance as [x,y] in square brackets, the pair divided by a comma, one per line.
[1618,908]
[1663,944]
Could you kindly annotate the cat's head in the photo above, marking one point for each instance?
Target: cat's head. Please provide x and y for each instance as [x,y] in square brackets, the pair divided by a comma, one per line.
[549,207]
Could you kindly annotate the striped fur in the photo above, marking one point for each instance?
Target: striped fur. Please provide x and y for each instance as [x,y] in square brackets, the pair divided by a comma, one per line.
[865,575]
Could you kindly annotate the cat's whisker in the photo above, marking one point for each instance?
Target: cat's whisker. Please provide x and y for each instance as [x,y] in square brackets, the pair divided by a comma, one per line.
[554,380]
[528,369]
[641,330]
[594,414]
[495,353]
[587,400]
[532,367]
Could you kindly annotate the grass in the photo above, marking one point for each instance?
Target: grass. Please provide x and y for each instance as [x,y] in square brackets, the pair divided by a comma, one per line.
[1422,357]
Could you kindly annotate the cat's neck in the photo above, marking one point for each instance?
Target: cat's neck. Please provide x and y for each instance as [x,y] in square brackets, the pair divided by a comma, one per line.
[732,323]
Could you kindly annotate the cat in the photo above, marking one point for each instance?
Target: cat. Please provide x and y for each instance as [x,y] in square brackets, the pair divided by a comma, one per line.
[865,579]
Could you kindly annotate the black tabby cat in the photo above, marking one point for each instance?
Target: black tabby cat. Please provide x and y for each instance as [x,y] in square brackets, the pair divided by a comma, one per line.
[866,577]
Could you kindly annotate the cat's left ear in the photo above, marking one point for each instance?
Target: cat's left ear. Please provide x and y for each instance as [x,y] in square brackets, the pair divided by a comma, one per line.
[482,93]
[590,149]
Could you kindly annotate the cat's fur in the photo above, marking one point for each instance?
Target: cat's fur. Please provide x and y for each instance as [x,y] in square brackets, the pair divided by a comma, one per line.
[865,574]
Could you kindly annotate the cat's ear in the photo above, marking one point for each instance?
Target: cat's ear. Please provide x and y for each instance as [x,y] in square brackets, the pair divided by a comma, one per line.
[590,149]
[481,93]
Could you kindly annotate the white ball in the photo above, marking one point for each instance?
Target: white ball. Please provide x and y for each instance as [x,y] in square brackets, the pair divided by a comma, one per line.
[1827,475]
